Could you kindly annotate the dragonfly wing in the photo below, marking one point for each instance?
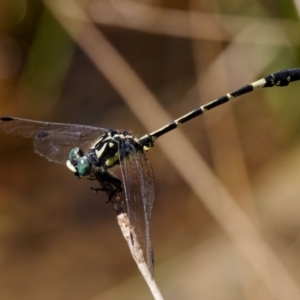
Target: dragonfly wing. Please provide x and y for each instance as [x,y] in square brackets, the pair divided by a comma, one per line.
[55,146]
[138,184]
[53,140]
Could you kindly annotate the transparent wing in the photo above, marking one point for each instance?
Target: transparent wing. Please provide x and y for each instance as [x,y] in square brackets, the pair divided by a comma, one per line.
[53,140]
[55,146]
[138,183]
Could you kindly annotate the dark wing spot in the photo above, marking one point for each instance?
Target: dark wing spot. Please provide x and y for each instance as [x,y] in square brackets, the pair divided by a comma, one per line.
[6,119]
[42,134]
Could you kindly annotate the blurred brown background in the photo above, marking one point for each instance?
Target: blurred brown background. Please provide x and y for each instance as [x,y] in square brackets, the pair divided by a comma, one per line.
[106,63]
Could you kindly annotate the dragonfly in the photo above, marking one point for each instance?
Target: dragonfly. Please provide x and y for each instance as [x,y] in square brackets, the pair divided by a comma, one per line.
[91,152]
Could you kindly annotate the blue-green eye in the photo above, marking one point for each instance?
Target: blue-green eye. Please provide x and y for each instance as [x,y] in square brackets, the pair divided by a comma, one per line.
[75,153]
[84,167]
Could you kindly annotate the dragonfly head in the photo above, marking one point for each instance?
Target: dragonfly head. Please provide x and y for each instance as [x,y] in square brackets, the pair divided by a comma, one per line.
[79,163]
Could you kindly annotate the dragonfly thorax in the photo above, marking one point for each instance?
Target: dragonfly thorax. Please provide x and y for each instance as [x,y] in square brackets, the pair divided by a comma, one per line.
[109,150]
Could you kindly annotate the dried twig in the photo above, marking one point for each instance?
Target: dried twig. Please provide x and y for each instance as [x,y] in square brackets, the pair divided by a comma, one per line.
[137,254]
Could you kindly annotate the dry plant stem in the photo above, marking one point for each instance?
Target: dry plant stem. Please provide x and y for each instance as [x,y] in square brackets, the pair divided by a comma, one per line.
[137,254]
[133,244]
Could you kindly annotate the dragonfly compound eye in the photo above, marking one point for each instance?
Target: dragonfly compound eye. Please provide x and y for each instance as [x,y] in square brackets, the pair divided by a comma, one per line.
[84,167]
[75,153]
[78,163]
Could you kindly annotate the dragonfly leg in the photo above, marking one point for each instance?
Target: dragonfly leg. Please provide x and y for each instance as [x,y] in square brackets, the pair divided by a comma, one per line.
[109,184]
[118,189]
[96,190]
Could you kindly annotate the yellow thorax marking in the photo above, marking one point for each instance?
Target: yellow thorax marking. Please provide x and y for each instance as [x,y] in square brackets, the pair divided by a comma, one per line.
[110,162]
